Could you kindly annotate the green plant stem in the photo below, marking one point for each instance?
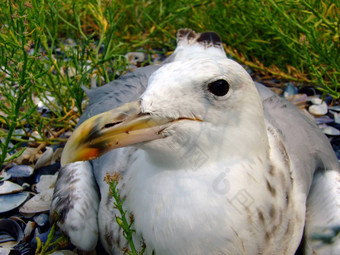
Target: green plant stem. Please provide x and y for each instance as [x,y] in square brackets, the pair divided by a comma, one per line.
[121,220]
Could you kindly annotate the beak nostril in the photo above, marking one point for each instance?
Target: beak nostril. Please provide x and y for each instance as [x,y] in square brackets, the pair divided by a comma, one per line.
[108,125]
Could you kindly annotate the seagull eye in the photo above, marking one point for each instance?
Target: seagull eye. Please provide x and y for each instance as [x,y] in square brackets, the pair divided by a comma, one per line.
[219,88]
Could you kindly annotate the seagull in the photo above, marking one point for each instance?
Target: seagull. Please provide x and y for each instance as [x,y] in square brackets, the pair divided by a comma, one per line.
[211,163]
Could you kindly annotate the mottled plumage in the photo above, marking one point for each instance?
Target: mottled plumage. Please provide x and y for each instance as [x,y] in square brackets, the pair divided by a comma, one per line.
[231,173]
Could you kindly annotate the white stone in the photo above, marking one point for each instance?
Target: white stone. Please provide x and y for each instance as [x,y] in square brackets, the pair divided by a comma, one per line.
[318,110]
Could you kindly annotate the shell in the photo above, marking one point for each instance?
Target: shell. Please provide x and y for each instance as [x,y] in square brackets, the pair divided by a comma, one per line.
[323,120]
[30,226]
[7,187]
[39,203]
[10,231]
[335,108]
[20,171]
[57,155]
[46,182]
[45,158]
[4,176]
[328,130]
[12,201]
[34,136]
[26,156]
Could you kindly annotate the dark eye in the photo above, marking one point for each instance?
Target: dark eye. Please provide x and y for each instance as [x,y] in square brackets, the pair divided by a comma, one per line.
[219,88]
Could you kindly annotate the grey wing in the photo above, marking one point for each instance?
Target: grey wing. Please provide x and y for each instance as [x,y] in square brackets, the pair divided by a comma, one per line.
[116,93]
[75,204]
[76,199]
[308,148]
[316,169]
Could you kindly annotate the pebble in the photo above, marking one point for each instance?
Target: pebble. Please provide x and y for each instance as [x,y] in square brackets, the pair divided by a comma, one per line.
[41,219]
[43,236]
[290,90]
[316,100]
[328,99]
[318,109]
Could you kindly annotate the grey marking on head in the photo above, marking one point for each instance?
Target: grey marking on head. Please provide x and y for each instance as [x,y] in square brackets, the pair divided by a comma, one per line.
[206,39]
[210,38]
[186,34]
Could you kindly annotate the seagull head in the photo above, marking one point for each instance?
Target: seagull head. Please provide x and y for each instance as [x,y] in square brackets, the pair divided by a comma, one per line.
[199,100]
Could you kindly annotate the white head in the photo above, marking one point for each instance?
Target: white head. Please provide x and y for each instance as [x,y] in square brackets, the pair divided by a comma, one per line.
[202,83]
[200,99]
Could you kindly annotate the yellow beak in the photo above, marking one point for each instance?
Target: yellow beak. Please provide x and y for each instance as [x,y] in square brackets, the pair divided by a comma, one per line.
[113,129]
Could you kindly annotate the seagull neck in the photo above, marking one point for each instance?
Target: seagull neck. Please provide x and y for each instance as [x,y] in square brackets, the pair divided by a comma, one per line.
[210,147]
